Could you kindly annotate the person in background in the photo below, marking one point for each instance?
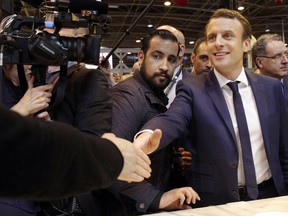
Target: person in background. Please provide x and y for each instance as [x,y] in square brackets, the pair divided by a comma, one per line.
[135,68]
[140,98]
[179,72]
[199,57]
[105,68]
[205,103]
[270,55]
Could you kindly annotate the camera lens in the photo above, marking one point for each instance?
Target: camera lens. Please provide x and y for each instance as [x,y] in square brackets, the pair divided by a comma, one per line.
[83,49]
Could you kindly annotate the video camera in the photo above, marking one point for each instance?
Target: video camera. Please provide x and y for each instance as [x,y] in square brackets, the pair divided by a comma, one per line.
[24,40]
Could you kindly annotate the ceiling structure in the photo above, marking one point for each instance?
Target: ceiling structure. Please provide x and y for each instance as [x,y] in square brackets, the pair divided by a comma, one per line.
[190,19]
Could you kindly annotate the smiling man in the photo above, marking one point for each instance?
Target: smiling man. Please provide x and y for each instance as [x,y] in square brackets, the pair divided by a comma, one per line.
[221,173]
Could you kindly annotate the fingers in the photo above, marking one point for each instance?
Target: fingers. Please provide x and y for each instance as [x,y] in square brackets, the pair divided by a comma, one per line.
[30,82]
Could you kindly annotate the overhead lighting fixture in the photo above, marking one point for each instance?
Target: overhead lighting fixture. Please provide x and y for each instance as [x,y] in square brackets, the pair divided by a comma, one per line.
[240,8]
[167,3]
[149,25]
[138,41]
[191,42]
[267,30]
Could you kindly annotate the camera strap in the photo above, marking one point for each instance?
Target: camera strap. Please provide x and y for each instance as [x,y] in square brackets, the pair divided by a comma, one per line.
[60,87]
[22,78]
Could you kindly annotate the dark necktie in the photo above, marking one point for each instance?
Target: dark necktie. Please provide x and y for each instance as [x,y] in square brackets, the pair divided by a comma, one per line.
[249,169]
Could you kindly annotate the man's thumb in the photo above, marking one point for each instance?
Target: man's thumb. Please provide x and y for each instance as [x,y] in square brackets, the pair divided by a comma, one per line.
[155,140]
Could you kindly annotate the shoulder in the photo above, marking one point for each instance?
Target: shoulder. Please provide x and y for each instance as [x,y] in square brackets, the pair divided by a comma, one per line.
[130,85]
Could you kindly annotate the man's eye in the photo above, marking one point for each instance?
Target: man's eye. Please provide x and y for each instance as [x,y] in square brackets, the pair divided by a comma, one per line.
[227,36]
[211,38]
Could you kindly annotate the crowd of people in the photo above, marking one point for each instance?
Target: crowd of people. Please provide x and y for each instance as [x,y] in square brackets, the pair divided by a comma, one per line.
[144,145]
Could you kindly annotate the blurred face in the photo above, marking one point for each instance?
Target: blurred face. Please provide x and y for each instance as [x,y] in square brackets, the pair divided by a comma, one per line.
[277,65]
[158,64]
[225,46]
[200,60]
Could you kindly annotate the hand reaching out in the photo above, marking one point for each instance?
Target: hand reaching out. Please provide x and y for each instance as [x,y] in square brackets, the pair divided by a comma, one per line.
[34,99]
[148,142]
[136,163]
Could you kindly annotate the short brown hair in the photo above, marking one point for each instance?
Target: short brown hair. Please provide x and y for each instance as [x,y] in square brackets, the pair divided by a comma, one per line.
[232,14]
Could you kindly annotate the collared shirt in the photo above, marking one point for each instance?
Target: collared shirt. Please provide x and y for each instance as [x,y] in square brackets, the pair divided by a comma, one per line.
[257,143]
[172,93]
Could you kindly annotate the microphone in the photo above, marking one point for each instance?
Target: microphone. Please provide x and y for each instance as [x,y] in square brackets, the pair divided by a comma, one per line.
[181,2]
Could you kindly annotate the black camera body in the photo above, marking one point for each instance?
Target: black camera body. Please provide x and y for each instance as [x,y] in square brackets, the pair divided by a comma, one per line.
[25,41]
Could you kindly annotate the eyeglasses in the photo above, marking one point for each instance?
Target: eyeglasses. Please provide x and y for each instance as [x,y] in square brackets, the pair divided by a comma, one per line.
[277,57]
[203,58]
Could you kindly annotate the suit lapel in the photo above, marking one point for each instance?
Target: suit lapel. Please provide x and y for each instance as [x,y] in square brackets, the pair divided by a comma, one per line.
[215,93]
[258,90]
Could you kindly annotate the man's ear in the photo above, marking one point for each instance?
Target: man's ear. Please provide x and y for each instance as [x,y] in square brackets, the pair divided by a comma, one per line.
[192,57]
[258,62]
[140,56]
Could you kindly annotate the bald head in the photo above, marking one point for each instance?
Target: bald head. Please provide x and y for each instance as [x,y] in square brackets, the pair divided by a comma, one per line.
[179,35]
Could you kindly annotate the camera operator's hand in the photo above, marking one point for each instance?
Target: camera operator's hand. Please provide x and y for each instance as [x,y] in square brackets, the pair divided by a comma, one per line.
[136,163]
[34,99]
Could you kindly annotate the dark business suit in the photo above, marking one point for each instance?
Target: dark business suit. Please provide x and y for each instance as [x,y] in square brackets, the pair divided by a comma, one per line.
[44,160]
[201,107]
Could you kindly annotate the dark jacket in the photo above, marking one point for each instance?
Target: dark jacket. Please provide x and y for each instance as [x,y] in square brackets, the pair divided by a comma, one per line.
[135,103]
[44,160]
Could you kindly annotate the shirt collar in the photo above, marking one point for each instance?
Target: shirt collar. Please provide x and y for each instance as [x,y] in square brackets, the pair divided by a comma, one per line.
[242,78]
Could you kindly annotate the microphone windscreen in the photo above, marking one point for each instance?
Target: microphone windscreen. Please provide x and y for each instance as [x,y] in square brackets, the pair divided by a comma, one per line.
[181,2]
[92,5]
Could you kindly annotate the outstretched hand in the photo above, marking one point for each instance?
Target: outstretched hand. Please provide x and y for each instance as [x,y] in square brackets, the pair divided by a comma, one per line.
[148,142]
[136,165]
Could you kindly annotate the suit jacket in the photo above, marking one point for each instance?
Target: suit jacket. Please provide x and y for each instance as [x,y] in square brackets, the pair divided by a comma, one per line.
[200,107]
[45,160]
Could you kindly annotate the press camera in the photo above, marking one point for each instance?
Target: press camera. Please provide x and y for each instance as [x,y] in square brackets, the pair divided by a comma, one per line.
[24,40]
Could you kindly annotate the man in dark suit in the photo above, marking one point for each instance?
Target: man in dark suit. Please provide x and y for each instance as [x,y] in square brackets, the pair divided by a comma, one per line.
[204,104]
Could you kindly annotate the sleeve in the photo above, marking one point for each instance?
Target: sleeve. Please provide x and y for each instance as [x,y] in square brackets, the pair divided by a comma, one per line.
[46,160]
[145,195]
[93,102]
[175,121]
[127,107]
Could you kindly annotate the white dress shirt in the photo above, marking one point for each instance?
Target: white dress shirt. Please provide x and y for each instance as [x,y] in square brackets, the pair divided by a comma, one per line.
[257,143]
[172,93]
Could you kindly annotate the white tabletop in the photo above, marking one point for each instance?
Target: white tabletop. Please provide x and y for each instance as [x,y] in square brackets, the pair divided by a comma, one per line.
[277,206]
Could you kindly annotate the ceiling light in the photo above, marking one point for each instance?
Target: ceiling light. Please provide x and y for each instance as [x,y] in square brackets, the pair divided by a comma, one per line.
[240,8]
[138,41]
[149,25]
[267,30]
[167,3]
[191,42]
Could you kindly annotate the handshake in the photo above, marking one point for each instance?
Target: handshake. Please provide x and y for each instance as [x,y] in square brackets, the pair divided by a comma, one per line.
[136,164]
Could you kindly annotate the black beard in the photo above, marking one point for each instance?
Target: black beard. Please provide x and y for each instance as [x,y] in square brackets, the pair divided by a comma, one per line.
[151,82]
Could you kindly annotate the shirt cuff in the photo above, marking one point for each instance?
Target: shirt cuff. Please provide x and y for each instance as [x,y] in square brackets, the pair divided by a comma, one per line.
[140,132]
